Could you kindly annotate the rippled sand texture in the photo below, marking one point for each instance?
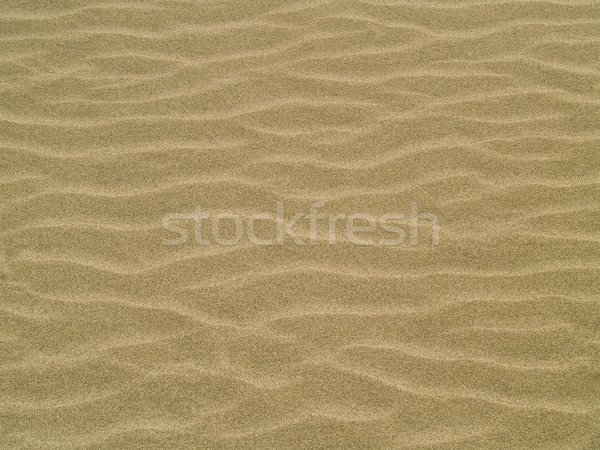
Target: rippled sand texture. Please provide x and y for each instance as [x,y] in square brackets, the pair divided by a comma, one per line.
[115,113]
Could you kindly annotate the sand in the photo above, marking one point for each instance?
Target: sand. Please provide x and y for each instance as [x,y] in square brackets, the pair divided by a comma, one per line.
[114,114]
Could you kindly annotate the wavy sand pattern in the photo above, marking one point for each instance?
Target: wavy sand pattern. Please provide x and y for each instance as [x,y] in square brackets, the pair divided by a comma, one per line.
[115,113]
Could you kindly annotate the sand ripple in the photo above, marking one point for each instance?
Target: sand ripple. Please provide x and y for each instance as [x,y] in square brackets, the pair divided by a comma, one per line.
[115,114]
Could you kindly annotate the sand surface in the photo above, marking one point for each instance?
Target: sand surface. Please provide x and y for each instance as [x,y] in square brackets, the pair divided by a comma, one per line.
[116,113]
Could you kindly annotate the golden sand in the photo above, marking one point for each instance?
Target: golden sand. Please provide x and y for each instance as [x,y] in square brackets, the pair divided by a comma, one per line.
[114,114]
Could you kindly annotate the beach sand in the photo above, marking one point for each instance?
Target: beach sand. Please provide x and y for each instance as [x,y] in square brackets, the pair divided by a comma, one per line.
[115,114]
